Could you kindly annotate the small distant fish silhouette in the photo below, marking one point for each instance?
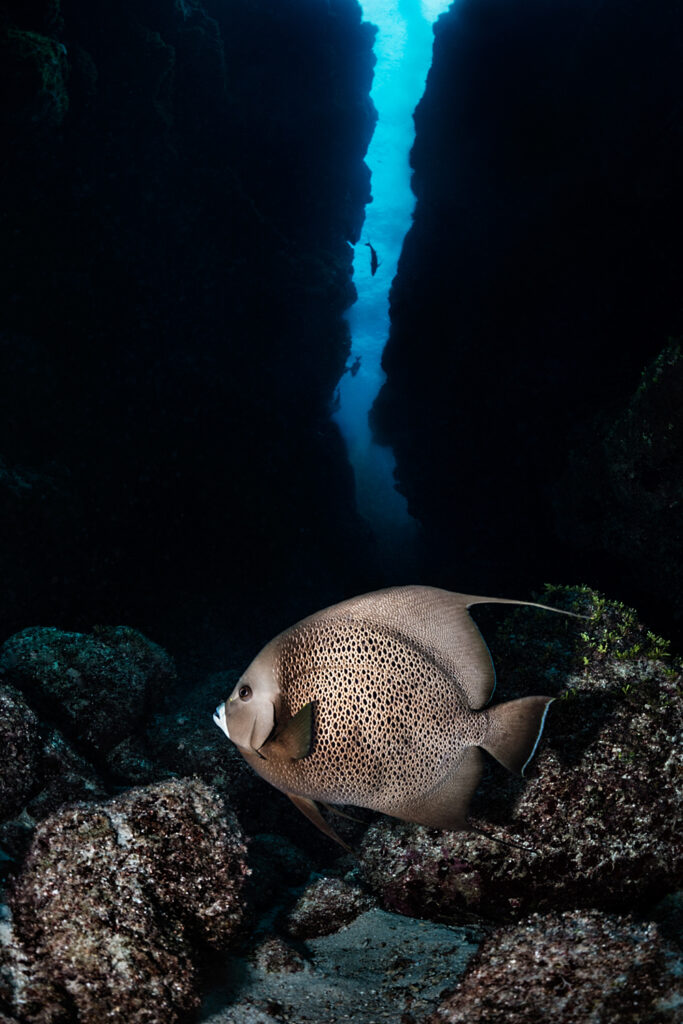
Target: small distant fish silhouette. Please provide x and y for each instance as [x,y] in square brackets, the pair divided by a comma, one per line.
[355,366]
[374,262]
[377,702]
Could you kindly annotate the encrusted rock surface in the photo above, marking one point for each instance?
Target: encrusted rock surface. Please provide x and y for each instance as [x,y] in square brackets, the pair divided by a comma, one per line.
[39,773]
[114,902]
[274,956]
[325,906]
[597,819]
[99,687]
[574,968]
[20,745]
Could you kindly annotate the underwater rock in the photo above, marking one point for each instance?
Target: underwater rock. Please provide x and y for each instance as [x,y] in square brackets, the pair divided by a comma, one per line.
[573,967]
[596,819]
[20,745]
[626,476]
[65,777]
[325,906]
[39,774]
[275,957]
[34,72]
[100,687]
[116,899]
[276,865]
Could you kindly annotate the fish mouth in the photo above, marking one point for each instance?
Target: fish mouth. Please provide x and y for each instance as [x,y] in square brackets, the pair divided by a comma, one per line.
[220,720]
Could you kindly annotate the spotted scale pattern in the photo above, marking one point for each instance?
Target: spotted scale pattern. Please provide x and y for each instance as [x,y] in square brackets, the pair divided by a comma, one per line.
[389,724]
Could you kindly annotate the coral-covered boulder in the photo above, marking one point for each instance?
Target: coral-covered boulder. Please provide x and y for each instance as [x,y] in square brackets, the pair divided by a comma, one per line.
[595,824]
[99,687]
[116,899]
[573,967]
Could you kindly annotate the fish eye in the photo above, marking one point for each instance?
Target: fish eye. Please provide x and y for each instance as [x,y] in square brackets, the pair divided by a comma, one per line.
[245,693]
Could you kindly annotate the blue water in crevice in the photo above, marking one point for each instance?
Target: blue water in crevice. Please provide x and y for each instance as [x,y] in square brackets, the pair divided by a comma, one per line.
[403,48]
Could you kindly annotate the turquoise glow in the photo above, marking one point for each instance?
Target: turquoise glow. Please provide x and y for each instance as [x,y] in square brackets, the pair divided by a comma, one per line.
[403,48]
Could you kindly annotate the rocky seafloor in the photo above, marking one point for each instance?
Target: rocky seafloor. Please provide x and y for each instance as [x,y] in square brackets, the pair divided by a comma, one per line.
[150,876]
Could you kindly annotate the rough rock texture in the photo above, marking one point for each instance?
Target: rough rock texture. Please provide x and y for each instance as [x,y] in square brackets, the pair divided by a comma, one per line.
[275,957]
[573,967]
[326,905]
[39,773]
[114,902]
[19,750]
[98,687]
[180,184]
[541,274]
[60,777]
[597,819]
[635,465]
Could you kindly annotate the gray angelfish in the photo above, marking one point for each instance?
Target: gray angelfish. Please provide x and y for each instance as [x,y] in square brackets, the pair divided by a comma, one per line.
[379,702]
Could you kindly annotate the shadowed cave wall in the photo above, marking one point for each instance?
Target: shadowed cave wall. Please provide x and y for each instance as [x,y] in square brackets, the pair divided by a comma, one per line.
[179,182]
[180,179]
[541,275]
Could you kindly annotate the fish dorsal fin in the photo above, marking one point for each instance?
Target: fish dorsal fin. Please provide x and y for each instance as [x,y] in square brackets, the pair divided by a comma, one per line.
[439,622]
[294,740]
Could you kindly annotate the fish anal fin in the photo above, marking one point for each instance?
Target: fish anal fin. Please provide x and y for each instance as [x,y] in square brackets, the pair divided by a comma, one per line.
[341,814]
[309,808]
[295,738]
[447,807]
[514,729]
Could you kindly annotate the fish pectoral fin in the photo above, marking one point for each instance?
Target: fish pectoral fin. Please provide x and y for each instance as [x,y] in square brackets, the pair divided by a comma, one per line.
[447,806]
[309,808]
[294,740]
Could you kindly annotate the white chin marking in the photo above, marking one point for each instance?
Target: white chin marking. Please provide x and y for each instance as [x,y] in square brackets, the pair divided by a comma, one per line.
[219,719]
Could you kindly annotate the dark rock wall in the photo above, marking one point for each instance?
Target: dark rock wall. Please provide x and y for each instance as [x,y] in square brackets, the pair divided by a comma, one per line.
[180,178]
[541,274]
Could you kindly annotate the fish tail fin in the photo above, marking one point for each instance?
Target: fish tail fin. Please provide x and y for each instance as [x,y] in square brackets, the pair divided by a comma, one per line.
[514,729]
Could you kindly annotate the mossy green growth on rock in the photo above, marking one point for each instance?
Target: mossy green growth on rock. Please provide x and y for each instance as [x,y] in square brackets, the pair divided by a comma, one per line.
[34,73]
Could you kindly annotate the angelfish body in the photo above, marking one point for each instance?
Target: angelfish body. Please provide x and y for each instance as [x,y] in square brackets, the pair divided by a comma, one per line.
[379,702]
